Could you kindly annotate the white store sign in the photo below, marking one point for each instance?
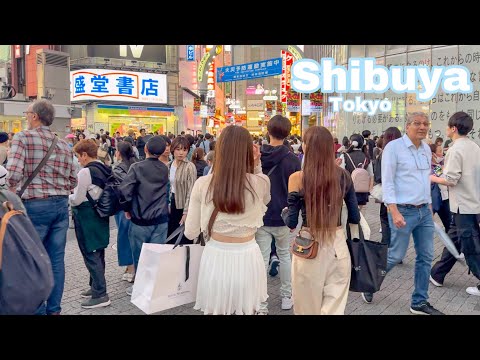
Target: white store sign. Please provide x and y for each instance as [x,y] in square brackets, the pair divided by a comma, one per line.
[117,85]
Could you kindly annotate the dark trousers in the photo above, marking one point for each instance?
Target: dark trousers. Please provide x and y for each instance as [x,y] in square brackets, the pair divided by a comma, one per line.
[469,234]
[384,224]
[95,263]
[445,215]
[443,266]
[173,222]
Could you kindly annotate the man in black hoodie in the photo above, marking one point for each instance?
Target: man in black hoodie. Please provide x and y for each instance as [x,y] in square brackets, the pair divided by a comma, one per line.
[144,193]
[278,162]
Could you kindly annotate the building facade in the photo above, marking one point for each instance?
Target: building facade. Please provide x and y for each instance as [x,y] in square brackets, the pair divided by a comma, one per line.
[439,108]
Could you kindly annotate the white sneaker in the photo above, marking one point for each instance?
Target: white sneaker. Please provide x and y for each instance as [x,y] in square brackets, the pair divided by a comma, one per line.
[473,290]
[128,277]
[287,303]
[130,291]
[434,282]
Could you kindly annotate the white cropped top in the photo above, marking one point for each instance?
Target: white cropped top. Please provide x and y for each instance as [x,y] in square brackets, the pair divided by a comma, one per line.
[232,225]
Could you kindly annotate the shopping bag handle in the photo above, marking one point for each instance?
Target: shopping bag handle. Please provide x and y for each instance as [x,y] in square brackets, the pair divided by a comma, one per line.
[360,232]
[179,231]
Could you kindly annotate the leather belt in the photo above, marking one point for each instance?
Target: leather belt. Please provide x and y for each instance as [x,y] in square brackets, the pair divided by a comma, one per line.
[412,206]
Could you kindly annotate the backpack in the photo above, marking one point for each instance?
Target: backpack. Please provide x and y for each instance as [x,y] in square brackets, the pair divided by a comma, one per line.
[26,277]
[108,204]
[360,177]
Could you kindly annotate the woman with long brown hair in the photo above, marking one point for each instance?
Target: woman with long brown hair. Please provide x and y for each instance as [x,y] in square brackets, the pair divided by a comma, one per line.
[230,204]
[320,285]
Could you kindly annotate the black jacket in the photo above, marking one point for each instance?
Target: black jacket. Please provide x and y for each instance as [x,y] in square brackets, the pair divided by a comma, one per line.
[144,192]
[288,163]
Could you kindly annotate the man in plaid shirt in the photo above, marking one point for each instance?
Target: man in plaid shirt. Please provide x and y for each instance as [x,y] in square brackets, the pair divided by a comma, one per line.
[46,198]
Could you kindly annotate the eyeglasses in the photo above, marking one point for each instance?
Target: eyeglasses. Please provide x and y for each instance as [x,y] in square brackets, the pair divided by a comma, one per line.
[421,161]
[417,124]
[28,112]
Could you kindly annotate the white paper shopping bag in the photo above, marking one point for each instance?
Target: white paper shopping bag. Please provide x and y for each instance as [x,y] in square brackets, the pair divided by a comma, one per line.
[166,276]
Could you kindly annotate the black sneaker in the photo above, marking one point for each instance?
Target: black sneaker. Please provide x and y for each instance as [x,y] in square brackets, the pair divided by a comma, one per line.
[97,302]
[367,297]
[424,308]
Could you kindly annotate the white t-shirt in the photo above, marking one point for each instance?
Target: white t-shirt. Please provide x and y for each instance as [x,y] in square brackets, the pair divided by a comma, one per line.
[173,171]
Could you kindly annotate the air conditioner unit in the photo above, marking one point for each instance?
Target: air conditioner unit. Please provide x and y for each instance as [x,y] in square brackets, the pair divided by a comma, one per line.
[53,76]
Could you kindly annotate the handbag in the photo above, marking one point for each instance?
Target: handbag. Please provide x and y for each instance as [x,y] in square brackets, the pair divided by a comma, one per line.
[101,153]
[369,263]
[377,193]
[167,275]
[305,247]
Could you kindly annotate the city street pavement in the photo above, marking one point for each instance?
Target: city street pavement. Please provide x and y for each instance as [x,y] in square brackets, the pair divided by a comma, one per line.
[393,299]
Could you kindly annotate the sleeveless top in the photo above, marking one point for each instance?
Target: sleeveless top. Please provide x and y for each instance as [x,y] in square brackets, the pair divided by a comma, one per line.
[232,225]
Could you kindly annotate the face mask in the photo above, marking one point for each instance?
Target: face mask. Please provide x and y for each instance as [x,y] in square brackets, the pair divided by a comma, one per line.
[438,158]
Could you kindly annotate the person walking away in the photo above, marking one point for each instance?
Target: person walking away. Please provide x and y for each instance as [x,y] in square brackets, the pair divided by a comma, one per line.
[144,195]
[182,176]
[46,198]
[92,231]
[198,159]
[229,204]
[278,163]
[125,158]
[210,158]
[140,143]
[357,157]
[320,285]
[392,133]
[462,176]
[406,167]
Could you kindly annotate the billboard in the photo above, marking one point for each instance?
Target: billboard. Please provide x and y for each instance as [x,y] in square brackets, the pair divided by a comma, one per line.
[116,85]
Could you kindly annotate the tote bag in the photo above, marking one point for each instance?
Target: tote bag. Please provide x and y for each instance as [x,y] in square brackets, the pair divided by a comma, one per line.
[369,263]
[167,275]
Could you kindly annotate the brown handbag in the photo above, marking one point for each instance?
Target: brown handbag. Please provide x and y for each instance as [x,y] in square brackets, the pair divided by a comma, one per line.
[305,247]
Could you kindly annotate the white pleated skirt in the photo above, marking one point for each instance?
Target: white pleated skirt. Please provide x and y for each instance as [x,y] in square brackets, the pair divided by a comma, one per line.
[232,279]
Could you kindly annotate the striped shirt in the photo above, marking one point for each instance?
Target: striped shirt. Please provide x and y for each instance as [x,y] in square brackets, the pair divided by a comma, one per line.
[29,147]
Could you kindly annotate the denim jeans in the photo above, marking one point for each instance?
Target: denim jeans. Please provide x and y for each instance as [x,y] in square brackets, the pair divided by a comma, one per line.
[124,250]
[281,234]
[420,225]
[153,234]
[50,219]
[95,263]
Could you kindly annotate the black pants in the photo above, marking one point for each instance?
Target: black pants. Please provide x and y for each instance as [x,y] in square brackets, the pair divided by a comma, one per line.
[469,234]
[464,233]
[443,266]
[95,263]
[384,224]
[445,215]
[173,222]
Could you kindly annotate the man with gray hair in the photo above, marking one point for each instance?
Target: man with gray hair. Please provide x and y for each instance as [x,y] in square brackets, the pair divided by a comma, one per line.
[406,167]
[46,197]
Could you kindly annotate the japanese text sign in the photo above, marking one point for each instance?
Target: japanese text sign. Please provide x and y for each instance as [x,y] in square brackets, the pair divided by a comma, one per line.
[248,71]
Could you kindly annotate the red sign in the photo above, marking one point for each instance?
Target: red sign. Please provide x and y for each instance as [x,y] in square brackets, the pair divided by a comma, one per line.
[196,106]
[211,77]
[287,61]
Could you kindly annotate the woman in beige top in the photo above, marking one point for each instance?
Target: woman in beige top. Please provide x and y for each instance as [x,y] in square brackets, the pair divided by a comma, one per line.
[230,203]
[182,176]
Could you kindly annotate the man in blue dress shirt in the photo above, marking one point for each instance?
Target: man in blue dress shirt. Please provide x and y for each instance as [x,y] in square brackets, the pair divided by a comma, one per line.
[406,168]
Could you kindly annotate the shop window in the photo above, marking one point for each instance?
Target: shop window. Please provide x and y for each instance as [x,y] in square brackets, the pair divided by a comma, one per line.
[375,50]
[395,49]
[357,51]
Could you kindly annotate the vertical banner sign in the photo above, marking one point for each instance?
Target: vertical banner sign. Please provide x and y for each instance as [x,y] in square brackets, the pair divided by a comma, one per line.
[190,52]
[196,106]
[287,61]
[279,108]
[211,106]
[316,101]
[293,101]
[211,77]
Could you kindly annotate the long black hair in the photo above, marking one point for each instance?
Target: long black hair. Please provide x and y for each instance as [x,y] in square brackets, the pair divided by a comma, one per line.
[126,151]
